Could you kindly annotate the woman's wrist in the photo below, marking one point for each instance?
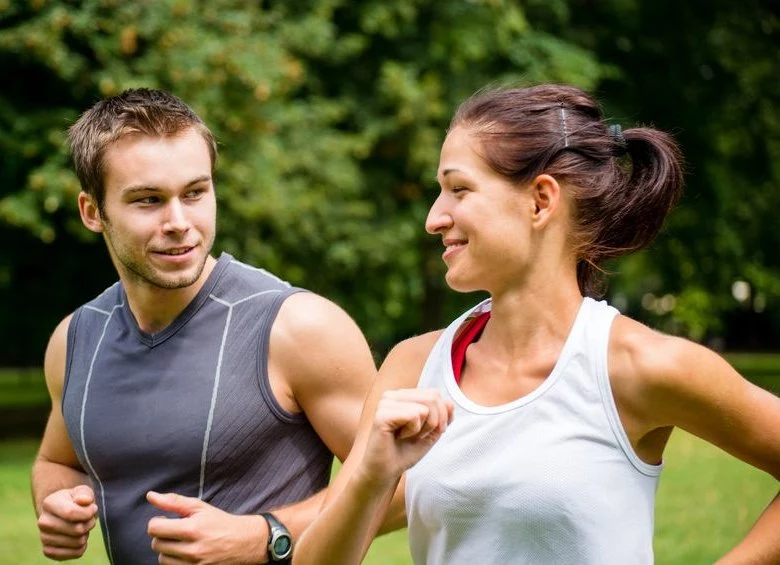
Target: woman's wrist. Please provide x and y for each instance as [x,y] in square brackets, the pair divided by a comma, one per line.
[368,483]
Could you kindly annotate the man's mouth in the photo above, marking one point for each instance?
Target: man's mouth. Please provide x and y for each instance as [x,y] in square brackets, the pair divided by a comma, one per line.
[177,251]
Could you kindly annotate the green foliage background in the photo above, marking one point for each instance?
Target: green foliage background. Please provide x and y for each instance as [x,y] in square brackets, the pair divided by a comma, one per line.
[329,116]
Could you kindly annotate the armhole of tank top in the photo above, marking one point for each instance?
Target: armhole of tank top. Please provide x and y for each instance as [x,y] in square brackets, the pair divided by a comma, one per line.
[610,405]
[70,341]
[264,339]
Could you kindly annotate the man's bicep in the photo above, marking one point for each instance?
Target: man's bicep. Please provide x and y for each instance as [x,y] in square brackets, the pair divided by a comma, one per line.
[54,360]
[401,369]
[327,364]
[339,384]
[55,445]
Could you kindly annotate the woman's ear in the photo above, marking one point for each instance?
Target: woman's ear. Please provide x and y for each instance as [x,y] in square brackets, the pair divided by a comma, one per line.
[90,214]
[546,193]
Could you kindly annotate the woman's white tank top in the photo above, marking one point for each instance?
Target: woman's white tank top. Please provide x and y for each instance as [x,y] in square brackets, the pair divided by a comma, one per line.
[550,478]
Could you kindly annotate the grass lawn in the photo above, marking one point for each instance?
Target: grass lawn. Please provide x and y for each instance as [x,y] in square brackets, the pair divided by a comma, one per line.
[18,534]
[26,387]
[22,387]
[706,502]
[19,543]
[761,368]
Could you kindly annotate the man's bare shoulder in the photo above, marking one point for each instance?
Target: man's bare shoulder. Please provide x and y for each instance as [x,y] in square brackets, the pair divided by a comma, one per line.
[321,363]
[307,314]
[55,357]
[314,339]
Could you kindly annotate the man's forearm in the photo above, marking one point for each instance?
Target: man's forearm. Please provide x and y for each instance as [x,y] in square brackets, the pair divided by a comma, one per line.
[297,517]
[48,477]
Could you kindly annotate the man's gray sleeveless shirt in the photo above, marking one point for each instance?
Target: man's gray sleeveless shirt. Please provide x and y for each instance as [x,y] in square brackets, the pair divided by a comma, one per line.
[188,410]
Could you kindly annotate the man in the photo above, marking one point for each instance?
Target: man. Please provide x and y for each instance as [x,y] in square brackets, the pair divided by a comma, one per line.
[196,376]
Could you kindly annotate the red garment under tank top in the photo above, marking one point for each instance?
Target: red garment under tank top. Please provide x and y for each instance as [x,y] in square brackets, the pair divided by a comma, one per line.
[467,336]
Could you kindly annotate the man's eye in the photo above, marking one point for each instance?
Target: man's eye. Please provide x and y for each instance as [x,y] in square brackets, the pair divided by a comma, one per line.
[147,200]
[458,189]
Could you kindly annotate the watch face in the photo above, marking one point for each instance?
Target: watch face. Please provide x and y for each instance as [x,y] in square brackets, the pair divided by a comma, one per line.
[282,546]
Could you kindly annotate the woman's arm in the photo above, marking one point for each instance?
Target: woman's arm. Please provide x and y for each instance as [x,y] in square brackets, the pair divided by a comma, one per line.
[680,383]
[397,428]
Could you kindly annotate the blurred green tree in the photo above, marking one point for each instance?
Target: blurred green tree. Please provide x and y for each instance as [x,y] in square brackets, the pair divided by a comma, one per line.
[329,116]
[707,71]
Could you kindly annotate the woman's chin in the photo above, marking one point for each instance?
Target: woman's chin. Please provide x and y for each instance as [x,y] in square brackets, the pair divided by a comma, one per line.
[459,284]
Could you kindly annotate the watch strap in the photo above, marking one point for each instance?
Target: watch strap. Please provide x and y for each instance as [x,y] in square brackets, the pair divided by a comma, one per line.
[276,527]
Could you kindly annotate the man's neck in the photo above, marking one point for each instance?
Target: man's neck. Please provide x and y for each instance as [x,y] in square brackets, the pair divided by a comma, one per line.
[155,308]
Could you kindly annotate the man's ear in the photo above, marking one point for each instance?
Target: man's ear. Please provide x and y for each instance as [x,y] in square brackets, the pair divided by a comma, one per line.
[547,198]
[90,215]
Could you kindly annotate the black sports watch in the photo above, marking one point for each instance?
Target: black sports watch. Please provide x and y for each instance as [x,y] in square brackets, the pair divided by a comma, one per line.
[280,543]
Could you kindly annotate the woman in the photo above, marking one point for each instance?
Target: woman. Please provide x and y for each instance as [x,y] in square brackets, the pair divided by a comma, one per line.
[557,409]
